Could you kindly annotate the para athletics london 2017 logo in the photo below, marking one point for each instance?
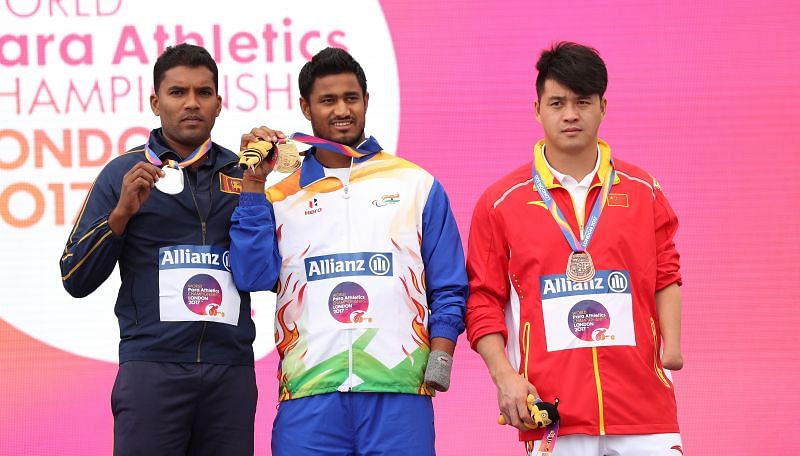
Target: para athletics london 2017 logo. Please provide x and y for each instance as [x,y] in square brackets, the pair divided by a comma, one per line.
[589,321]
[348,303]
[202,294]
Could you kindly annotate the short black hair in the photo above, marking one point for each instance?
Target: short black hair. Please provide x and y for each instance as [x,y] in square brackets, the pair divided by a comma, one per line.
[325,63]
[575,66]
[184,54]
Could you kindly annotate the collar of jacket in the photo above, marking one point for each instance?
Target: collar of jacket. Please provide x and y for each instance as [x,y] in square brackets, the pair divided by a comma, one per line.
[550,180]
[313,171]
[218,156]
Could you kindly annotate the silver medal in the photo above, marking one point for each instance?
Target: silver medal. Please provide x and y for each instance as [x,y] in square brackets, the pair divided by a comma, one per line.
[171,182]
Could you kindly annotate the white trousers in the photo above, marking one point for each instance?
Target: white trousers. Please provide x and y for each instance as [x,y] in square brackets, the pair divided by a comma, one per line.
[616,445]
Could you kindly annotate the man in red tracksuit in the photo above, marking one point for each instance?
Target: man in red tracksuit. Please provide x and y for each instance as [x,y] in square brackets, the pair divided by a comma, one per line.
[573,269]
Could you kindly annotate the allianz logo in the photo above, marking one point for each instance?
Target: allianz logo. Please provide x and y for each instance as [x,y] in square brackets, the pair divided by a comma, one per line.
[613,282]
[349,264]
[177,256]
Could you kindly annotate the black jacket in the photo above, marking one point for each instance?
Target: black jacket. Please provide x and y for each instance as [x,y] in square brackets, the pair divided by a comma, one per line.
[199,215]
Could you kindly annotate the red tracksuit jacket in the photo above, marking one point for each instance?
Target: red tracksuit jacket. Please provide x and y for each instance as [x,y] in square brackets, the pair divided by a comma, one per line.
[595,345]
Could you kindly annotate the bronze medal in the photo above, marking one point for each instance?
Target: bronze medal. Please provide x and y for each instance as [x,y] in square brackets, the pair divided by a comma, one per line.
[580,267]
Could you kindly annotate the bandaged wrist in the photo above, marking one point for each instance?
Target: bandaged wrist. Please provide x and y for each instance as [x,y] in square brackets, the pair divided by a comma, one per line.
[437,374]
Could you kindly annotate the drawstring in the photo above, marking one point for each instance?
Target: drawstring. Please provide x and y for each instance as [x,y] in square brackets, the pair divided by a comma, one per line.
[346,186]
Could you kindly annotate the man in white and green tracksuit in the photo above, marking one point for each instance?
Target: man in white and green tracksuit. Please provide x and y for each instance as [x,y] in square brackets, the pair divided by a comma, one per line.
[371,281]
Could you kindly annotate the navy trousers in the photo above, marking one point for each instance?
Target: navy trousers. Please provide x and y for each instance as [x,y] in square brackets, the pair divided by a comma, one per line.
[183,409]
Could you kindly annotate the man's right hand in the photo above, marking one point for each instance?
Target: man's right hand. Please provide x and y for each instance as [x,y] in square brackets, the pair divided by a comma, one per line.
[136,187]
[512,395]
[512,388]
[259,133]
[254,179]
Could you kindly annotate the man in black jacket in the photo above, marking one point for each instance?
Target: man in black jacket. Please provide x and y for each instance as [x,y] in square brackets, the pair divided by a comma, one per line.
[186,382]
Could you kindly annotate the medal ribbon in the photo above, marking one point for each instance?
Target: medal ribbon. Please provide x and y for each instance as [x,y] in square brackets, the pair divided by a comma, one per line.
[329,145]
[577,245]
[196,155]
[548,444]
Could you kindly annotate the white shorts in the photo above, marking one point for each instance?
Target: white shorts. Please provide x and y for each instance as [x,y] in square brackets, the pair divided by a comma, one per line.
[616,445]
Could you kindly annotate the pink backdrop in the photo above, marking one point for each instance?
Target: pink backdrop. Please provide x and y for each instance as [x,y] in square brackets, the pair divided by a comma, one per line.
[701,94]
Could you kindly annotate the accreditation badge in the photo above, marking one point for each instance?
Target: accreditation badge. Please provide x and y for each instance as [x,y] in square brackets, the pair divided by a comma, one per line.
[351,283]
[195,284]
[594,313]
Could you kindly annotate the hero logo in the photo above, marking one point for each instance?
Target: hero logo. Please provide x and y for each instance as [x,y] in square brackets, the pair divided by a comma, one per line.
[313,207]
[349,264]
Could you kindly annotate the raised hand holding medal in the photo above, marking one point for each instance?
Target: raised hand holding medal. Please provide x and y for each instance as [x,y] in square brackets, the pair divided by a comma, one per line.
[280,152]
[171,181]
[137,184]
[282,156]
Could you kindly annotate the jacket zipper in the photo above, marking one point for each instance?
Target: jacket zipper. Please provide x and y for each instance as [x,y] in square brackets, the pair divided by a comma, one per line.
[346,196]
[200,342]
[599,387]
[601,414]
[578,218]
[595,362]
[198,358]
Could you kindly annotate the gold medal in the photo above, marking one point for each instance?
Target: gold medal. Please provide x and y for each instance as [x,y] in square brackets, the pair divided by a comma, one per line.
[580,267]
[288,157]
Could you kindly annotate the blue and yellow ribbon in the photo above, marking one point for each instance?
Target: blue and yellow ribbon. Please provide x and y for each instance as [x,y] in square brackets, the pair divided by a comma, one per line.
[196,155]
[577,245]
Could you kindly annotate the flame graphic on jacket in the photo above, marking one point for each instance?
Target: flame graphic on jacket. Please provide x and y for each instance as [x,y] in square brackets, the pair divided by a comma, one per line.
[287,336]
[418,323]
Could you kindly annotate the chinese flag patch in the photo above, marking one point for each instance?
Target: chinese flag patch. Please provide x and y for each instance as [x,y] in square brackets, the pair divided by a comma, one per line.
[618,199]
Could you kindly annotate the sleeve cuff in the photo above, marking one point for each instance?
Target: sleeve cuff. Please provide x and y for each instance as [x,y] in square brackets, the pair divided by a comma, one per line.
[252,199]
[664,282]
[475,337]
[446,331]
[105,219]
